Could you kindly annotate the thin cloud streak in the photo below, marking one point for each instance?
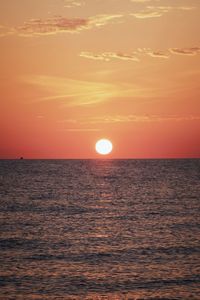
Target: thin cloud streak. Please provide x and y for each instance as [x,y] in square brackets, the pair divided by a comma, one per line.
[158,54]
[114,119]
[142,118]
[5,31]
[136,54]
[158,11]
[59,24]
[107,56]
[71,92]
[81,129]
[72,3]
[147,14]
[185,51]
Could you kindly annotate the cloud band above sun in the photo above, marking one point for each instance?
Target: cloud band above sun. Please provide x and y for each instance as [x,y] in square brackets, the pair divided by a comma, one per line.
[55,25]
[137,54]
[61,24]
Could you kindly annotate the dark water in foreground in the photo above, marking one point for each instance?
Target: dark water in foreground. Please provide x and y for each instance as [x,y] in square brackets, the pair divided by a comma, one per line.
[100,229]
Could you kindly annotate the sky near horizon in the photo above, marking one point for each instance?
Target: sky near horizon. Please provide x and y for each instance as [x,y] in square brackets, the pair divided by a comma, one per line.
[75,71]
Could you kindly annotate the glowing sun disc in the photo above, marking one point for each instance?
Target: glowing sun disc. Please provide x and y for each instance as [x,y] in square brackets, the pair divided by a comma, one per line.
[103,146]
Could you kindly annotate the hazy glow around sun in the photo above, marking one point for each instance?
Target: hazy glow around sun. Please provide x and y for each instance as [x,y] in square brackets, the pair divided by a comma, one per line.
[103,146]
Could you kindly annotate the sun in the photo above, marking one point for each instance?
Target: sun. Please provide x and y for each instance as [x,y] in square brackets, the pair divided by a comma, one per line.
[103,146]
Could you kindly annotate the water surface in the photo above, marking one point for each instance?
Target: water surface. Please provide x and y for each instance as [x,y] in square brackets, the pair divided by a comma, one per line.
[100,229]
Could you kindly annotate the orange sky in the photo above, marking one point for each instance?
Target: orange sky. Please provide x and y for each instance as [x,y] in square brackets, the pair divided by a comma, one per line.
[75,71]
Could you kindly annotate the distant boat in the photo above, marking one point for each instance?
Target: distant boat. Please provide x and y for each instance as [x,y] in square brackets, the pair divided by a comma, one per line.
[21,157]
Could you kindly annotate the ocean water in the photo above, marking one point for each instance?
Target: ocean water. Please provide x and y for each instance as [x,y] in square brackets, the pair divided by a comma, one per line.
[100,229]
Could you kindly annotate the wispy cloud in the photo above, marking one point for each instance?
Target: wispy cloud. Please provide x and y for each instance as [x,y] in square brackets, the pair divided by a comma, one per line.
[153,53]
[171,8]
[142,118]
[72,3]
[158,54]
[147,14]
[52,26]
[102,20]
[134,56]
[114,119]
[186,7]
[73,92]
[137,54]
[69,92]
[107,56]
[152,12]
[5,31]
[158,11]
[59,24]
[166,53]
[81,129]
[185,51]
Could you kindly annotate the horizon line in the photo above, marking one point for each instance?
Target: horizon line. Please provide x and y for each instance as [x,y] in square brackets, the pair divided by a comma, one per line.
[103,158]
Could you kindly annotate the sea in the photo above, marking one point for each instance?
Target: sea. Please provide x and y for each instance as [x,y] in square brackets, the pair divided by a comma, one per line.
[100,229]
